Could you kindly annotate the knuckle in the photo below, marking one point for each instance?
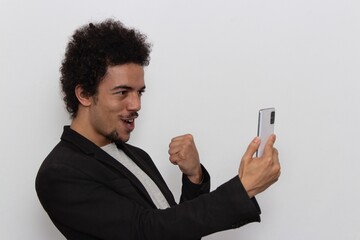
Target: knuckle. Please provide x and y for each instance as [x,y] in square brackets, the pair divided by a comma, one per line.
[277,169]
[189,137]
[186,143]
[172,159]
[171,151]
[268,159]
[181,155]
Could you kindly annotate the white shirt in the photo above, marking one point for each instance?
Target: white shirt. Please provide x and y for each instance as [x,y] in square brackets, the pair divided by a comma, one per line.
[153,190]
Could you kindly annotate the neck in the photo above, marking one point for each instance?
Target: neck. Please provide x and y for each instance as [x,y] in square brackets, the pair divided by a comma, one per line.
[84,128]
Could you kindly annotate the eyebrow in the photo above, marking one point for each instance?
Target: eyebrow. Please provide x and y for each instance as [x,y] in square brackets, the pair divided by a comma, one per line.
[125,87]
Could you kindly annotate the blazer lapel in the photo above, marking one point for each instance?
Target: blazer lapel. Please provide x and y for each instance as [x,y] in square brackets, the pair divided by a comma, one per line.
[105,158]
[147,169]
[92,149]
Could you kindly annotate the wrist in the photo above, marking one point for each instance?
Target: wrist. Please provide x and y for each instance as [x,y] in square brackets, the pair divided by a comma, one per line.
[249,190]
[196,178]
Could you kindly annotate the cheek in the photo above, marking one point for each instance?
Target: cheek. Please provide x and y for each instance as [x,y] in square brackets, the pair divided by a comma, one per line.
[116,108]
[109,110]
[114,112]
[112,105]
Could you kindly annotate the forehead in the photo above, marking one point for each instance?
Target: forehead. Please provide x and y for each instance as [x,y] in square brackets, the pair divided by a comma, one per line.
[131,75]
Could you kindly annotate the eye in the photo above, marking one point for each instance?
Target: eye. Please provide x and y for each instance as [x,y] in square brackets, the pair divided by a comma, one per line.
[141,92]
[123,92]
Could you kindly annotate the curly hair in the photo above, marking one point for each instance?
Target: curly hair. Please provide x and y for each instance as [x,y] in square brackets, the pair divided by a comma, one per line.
[94,47]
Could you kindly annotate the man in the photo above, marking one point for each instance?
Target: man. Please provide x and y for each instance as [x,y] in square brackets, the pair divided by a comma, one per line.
[94,185]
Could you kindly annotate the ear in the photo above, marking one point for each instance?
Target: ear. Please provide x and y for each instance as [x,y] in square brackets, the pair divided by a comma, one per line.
[82,96]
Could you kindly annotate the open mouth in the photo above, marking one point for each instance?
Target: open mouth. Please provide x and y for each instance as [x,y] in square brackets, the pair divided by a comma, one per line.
[128,121]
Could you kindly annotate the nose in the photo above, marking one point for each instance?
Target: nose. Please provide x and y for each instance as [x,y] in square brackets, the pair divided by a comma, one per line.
[134,102]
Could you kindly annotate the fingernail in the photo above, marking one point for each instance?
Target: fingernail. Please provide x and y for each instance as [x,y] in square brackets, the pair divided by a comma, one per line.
[256,140]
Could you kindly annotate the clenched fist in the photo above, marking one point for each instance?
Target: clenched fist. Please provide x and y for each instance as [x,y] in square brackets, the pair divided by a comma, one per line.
[183,152]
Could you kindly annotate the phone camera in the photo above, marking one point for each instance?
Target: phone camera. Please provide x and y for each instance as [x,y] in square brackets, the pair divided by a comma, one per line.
[272,117]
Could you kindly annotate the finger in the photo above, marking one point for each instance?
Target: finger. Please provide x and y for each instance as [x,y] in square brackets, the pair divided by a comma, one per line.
[276,155]
[175,146]
[276,161]
[252,148]
[182,138]
[269,146]
[241,168]
[173,159]
[180,143]
[176,141]
[173,150]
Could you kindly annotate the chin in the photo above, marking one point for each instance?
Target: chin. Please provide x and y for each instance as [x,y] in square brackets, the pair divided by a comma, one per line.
[118,135]
[125,139]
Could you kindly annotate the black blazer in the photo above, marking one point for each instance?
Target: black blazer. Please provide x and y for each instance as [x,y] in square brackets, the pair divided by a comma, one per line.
[90,195]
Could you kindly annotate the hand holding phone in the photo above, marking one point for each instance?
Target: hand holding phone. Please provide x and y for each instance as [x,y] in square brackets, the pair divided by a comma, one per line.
[266,124]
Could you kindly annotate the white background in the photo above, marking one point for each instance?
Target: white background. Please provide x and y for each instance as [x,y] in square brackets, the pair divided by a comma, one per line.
[214,64]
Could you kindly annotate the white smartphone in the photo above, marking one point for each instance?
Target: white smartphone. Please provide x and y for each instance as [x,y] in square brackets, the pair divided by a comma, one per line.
[266,125]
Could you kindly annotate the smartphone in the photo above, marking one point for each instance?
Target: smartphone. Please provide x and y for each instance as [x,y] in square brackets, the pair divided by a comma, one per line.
[266,125]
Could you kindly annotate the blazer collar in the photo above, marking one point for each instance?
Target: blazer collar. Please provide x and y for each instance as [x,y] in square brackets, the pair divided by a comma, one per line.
[147,169]
[91,149]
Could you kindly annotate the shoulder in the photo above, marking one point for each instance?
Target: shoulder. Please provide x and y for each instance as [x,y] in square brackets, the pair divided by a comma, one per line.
[63,153]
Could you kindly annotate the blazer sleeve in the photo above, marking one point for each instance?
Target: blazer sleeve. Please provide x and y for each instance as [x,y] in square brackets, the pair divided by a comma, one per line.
[86,209]
[190,190]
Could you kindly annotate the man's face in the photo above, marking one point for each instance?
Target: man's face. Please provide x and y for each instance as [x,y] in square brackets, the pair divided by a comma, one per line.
[114,108]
